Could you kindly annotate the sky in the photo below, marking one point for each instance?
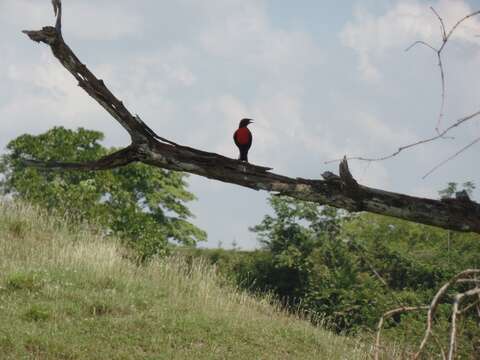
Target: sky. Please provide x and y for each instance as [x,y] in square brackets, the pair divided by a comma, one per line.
[322,79]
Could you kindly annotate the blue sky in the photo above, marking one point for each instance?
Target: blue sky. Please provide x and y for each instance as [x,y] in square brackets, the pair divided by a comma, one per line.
[321,79]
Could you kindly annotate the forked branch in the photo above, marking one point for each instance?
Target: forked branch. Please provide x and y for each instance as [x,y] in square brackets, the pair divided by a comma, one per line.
[147,147]
[435,301]
[465,276]
[439,132]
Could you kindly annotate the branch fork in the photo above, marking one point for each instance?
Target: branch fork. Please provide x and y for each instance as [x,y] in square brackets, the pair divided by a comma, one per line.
[462,277]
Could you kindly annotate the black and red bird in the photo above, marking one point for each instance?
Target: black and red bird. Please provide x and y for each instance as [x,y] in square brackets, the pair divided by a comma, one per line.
[243,138]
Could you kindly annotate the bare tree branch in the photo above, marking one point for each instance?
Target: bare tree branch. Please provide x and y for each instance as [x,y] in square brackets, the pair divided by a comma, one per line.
[433,305]
[86,80]
[455,312]
[388,315]
[442,24]
[420,142]
[440,134]
[117,159]
[439,344]
[454,27]
[462,277]
[338,191]
[469,281]
[420,42]
[468,307]
[445,38]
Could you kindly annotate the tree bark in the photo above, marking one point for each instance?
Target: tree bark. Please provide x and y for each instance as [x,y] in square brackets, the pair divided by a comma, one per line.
[338,191]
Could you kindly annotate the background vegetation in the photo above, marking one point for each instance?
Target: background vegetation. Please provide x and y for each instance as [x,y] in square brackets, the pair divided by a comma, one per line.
[145,206]
[338,270]
[345,271]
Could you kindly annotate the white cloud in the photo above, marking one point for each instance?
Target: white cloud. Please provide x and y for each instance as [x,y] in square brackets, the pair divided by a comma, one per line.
[408,21]
[51,87]
[26,13]
[244,34]
[378,132]
[103,20]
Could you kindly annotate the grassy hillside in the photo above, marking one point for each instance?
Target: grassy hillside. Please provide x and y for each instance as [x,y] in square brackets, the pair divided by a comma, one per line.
[69,294]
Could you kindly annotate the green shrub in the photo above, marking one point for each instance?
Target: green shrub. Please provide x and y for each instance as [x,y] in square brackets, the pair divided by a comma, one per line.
[36,313]
[23,281]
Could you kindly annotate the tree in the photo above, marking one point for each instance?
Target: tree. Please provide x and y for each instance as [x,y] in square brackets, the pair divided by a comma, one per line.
[146,206]
[147,147]
[452,189]
[314,269]
[348,270]
[291,235]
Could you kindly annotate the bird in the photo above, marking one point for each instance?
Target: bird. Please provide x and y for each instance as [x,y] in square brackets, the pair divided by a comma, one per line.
[243,139]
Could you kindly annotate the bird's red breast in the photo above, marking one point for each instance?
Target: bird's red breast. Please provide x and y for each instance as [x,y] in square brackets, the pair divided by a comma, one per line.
[243,136]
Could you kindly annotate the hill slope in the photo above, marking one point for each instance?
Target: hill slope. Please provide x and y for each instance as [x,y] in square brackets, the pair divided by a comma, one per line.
[69,294]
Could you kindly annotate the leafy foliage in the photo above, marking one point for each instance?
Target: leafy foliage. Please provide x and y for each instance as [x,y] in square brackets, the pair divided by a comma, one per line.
[319,270]
[453,188]
[347,270]
[146,206]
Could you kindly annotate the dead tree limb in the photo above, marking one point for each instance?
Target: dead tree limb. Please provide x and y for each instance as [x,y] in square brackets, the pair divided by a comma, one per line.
[147,147]
[455,313]
[112,161]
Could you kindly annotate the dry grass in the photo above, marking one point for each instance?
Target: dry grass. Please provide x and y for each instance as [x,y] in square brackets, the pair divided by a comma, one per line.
[68,293]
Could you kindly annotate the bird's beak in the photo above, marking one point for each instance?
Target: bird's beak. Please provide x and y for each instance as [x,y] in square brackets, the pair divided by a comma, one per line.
[250,122]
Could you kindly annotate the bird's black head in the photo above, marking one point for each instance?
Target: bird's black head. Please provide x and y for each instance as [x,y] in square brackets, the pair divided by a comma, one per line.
[245,122]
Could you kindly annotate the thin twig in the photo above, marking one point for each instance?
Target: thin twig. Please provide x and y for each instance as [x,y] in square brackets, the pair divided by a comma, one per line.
[460,277]
[420,142]
[442,103]
[439,344]
[475,281]
[388,315]
[454,27]
[451,157]
[442,24]
[434,304]
[438,52]
[478,304]
[420,42]
[468,307]
[445,38]
[440,134]
[455,312]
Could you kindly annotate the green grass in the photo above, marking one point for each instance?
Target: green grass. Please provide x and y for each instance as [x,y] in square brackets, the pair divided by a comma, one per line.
[73,294]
